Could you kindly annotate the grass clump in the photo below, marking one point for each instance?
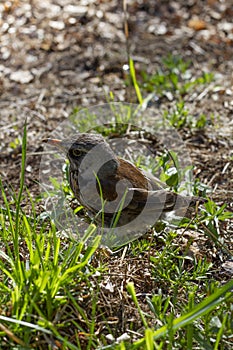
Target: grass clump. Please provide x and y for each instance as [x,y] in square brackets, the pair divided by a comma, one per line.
[41,272]
[44,278]
[174,77]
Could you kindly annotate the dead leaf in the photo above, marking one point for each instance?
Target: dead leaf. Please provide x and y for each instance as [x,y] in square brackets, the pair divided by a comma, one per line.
[197,24]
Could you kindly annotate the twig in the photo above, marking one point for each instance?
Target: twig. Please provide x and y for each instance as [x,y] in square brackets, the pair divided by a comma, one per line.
[12,336]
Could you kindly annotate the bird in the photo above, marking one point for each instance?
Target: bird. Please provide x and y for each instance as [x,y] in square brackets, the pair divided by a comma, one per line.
[114,191]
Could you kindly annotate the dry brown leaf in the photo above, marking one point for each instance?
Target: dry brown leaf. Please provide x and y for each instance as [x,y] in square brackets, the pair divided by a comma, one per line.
[197,24]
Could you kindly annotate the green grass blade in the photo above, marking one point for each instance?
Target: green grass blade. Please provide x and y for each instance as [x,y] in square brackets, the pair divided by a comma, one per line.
[22,177]
[131,291]
[134,80]
[199,310]
[149,339]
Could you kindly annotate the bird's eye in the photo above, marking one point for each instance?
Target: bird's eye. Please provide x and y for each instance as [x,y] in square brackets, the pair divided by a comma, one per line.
[76,153]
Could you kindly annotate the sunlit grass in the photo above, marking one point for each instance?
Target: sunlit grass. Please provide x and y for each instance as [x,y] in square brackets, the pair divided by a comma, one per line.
[51,285]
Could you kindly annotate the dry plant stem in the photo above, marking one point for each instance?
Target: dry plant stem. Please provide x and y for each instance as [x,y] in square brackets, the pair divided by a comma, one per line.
[11,335]
[126,28]
[126,32]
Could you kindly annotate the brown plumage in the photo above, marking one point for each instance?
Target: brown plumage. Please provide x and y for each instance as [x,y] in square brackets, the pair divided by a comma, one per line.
[103,182]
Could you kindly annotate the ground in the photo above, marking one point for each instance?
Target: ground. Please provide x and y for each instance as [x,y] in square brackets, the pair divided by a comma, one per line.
[57,55]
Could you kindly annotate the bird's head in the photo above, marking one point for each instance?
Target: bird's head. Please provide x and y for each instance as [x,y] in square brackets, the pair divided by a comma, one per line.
[86,151]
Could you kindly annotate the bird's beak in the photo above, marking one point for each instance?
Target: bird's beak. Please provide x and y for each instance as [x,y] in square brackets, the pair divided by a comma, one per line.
[57,143]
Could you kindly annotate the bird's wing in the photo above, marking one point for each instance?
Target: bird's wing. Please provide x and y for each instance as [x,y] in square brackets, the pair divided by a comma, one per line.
[139,177]
[160,200]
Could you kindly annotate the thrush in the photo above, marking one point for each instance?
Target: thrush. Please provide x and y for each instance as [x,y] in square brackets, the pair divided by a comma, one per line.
[113,190]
